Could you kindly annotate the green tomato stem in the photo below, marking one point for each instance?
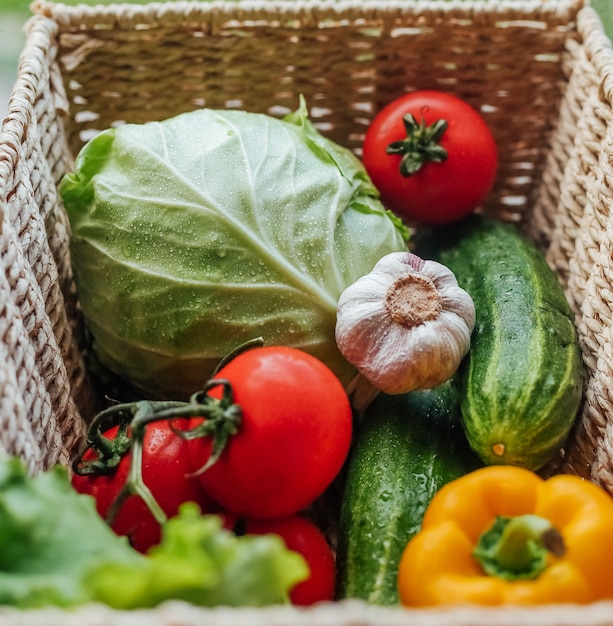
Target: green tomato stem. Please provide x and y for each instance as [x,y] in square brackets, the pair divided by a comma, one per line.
[221,420]
[110,452]
[420,145]
[135,484]
[243,347]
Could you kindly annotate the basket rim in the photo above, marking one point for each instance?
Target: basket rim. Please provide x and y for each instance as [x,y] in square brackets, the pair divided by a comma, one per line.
[556,12]
[349,612]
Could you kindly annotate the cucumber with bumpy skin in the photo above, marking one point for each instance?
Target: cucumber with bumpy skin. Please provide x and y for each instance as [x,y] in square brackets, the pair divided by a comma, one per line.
[406,448]
[521,383]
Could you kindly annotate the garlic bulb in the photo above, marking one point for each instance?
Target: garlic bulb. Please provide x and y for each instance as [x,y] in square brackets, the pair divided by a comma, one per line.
[406,325]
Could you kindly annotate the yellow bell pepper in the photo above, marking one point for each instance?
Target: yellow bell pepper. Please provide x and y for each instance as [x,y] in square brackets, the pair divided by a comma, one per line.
[503,535]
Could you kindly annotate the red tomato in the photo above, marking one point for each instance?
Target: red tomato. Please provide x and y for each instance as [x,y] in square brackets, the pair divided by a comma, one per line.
[293,438]
[166,470]
[302,536]
[438,192]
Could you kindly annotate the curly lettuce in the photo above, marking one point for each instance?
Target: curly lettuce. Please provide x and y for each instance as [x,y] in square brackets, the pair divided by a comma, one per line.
[200,562]
[56,550]
[195,234]
[50,538]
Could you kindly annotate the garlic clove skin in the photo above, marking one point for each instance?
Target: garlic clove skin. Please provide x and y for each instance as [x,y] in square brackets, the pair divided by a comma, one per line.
[406,325]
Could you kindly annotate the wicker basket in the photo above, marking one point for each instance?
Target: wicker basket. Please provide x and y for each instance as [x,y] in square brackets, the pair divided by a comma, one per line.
[541,71]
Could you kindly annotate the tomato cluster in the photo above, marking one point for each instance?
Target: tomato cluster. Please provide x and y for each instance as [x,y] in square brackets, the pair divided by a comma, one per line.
[261,473]
[165,470]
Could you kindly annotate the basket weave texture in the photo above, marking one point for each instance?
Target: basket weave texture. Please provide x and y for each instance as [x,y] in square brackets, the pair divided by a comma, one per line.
[540,71]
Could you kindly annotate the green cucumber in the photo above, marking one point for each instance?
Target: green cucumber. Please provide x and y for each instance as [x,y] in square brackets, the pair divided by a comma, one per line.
[520,385]
[406,448]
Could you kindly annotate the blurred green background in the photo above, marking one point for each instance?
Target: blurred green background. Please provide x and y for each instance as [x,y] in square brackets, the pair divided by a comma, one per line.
[13,14]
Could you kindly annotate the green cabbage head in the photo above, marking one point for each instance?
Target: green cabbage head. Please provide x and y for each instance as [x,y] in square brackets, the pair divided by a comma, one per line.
[193,235]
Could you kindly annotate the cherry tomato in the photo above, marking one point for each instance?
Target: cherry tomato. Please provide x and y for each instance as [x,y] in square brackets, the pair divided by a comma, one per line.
[166,471]
[294,433]
[303,536]
[435,171]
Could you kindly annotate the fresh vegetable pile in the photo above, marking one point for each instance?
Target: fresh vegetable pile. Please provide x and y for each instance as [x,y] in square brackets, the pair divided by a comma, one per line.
[323,377]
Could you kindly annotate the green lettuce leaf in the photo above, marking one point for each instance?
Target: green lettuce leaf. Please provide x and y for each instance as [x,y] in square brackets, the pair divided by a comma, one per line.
[50,537]
[56,550]
[193,235]
[200,562]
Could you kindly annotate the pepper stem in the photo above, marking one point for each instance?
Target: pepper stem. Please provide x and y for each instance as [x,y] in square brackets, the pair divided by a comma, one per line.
[517,548]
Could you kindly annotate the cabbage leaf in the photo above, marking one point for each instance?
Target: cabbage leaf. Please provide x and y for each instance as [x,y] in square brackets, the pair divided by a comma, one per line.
[195,234]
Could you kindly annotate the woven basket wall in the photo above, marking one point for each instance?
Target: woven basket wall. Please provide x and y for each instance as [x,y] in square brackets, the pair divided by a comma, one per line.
[540,71]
